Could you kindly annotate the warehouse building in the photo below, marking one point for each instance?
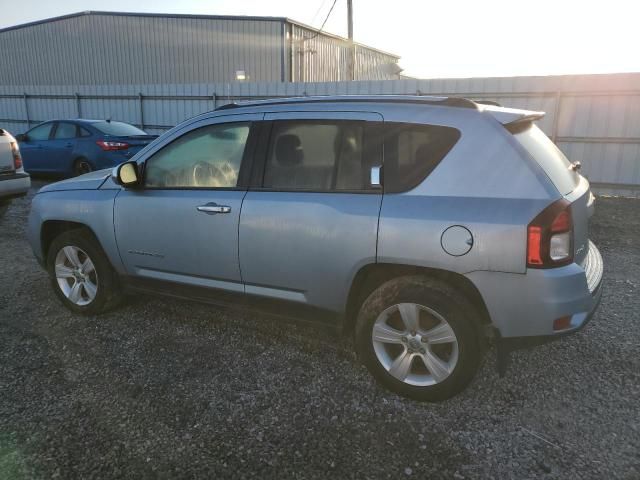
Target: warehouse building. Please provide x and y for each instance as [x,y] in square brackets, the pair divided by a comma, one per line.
[139,48]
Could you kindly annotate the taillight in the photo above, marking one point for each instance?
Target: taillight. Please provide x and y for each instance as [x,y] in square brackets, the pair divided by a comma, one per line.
[550,237]
[562,323]
[107,145]
[17,158]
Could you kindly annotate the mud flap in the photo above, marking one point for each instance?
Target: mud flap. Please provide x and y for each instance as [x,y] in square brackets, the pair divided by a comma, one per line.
[503,355]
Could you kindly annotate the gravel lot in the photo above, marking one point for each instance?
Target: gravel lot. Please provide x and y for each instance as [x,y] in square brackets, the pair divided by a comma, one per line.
[162,388]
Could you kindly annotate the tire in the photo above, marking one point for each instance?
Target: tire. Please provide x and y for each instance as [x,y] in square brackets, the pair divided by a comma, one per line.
[98,289]
[433,368]
[81,166]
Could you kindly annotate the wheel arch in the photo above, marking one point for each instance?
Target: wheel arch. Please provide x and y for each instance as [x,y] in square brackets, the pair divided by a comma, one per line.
[371,276]
[54,228]
[78,157]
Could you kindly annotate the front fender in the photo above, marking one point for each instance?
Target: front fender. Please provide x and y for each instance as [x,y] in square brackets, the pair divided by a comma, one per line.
[90,208]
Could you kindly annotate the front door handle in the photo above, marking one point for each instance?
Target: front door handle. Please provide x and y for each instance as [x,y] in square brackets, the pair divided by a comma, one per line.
[213,208]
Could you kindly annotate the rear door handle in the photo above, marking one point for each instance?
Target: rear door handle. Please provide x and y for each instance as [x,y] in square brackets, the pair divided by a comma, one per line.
[213,208]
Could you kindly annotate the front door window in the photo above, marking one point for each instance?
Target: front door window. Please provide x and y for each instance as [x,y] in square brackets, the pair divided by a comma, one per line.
[208,157]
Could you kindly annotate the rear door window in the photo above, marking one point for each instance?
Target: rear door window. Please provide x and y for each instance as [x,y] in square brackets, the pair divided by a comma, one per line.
[65,131]
[550,158]
[413,151]
[317,155]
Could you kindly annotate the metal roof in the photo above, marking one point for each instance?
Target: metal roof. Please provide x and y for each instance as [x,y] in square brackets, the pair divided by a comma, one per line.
[140,14]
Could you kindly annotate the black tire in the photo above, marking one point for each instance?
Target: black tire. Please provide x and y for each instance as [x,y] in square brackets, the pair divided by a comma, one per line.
[450,304]
[108,294]
[81,166]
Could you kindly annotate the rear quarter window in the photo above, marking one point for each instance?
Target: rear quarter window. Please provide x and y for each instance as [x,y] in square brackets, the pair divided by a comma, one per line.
[83,132]
[413,151]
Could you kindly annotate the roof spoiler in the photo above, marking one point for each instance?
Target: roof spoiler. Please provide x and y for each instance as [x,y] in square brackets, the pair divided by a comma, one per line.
[513,119]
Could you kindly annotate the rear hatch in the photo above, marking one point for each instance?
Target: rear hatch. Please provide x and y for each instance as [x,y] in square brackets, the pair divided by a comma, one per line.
[6,155]
[564,175]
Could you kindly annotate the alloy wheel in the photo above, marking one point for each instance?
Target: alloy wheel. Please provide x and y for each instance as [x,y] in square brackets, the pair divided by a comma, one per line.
[415,344]
[76,275]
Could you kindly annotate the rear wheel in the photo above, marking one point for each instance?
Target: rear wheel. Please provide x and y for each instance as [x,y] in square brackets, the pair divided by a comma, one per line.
[81,166]
[417,337]
[81,274]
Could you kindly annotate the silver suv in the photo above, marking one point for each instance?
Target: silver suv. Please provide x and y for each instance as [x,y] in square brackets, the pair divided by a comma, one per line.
[419,225]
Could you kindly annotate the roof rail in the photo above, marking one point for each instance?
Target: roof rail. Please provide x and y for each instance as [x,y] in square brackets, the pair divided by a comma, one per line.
[488,102]
[228,106]
[458,102]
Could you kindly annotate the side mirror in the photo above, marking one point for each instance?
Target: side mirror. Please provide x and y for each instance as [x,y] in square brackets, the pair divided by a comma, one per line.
[22,137]
[126,174]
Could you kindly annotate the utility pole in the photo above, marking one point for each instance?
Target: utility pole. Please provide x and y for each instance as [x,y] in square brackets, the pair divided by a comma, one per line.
[352,54]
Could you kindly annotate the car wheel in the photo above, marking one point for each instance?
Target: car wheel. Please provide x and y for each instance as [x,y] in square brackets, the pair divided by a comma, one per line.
[417,337]
[81,166]
[81,274]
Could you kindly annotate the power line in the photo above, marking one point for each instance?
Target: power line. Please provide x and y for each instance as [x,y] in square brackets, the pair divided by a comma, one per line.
[315,15]
[325,21]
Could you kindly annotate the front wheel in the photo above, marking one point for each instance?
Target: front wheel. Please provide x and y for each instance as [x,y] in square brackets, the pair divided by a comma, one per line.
[81,274]
[417,337]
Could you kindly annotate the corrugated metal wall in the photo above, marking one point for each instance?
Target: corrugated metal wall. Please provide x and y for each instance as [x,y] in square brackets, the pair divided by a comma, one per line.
[593,118]
[102,48]
[323,58]
[115,49]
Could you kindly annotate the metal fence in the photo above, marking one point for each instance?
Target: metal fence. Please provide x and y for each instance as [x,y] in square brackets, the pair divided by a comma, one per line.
[592,118]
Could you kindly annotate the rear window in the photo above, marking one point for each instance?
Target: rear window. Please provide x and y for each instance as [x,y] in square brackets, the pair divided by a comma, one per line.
[413,151]
[118,129]
[550,158]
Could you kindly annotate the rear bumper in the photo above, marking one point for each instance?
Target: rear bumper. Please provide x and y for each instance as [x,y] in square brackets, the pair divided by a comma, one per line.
[524,307]
[578,322]
[15,185]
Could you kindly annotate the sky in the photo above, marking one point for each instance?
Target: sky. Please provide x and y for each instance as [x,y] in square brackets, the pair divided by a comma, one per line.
[450,38]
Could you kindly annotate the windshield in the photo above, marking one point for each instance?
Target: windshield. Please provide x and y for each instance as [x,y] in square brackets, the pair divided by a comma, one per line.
[118,129]
[550,158]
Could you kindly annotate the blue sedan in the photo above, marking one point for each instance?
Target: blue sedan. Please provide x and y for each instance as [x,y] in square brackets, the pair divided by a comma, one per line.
[74,147]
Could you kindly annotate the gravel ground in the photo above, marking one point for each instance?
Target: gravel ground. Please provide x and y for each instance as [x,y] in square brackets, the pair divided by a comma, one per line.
[162,388]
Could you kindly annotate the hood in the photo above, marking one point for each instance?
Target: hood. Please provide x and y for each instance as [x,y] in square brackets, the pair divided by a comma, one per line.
[88,181]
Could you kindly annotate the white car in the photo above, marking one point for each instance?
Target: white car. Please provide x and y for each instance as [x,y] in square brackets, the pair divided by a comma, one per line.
[14,181]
